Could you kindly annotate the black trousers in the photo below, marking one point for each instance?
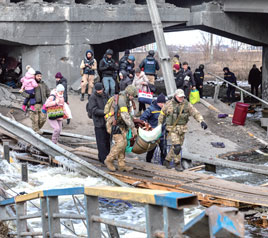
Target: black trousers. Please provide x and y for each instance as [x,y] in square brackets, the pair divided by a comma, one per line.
[103,143]
[163,149]
[200,90]
[231,93]
[254,88]
[142,106]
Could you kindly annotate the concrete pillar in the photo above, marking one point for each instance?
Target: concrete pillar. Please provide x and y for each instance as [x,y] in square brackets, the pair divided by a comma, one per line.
[265,74]
[52,59]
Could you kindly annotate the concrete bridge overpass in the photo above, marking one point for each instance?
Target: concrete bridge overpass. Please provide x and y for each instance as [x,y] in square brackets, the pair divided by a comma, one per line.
[54,34]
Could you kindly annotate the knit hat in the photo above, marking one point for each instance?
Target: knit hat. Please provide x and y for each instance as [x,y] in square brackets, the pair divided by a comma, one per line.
[176,66]
[98,86]
[60,88]
[37,72]
[30,70]
[179,93]
[58,75]
[161,98]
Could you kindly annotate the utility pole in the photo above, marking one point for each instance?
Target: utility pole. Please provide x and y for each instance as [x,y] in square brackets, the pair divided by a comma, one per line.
[162,47]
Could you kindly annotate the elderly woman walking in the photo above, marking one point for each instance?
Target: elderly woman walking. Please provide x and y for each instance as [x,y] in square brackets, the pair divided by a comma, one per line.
[141,83]
[56,111]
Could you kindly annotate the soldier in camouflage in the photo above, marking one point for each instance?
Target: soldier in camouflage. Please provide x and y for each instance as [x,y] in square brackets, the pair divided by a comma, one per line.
[37,117]
[176,113]
[124,122]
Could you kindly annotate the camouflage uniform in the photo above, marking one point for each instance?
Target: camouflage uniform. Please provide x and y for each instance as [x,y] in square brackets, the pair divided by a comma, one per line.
[124,122]
[38,118]
[171,112]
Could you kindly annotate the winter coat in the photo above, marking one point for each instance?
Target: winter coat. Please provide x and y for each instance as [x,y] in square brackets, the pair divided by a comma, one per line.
[179,80]
[63,81]
[230,77]
[150,65]
[129,68]
[96,105]
[123,61]
[254,77]
[125,81]
[188,73]
[28,82]
[42,92]
[56,100]
[151,114]
[91,62]
[199,77]
[107,67]
[137,82]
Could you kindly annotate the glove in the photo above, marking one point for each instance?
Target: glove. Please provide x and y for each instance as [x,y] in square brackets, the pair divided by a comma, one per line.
[134,131]
[204,125]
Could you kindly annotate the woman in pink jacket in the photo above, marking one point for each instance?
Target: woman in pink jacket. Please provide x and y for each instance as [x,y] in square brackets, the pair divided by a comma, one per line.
[29,84]
[56,111]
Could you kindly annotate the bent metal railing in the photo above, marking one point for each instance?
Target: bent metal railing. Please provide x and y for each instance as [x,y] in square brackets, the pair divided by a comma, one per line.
[164,213]
[217,89]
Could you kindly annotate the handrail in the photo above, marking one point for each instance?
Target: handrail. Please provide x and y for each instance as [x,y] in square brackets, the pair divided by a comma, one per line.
[241,89]
[164,213]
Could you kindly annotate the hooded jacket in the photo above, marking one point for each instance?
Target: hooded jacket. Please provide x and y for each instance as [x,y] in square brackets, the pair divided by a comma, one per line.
[107,66]
[28,82]
[129,68]
[63,81]
[125,81]
[91,62]
[96,104]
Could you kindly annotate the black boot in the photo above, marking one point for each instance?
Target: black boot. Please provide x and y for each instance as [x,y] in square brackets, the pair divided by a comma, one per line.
[68,121]
[167,164]
[82,97]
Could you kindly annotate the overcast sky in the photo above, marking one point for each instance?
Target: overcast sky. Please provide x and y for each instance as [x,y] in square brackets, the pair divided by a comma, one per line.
[188,38]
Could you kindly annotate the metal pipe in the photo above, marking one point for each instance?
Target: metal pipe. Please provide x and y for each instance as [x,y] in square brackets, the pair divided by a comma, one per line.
[31,233]
[37,215]
[241,89]
[119,224]
[69,216]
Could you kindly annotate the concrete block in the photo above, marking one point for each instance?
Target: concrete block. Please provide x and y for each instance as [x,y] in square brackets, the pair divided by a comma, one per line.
[264,122]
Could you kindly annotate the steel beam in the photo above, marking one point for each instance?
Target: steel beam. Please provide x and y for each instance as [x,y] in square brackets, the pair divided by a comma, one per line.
[247,6]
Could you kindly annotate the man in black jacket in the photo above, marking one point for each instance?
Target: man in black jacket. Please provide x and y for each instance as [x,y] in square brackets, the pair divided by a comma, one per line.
[230,77]
[108,68]
[188,79]
[95,109]
[199,79]
[254,79]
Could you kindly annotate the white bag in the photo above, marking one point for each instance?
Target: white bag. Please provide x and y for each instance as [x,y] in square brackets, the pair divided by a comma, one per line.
[68,110]
[151,136]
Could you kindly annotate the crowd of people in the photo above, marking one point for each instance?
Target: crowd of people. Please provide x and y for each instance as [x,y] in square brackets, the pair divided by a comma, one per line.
[112,107]
[113,111]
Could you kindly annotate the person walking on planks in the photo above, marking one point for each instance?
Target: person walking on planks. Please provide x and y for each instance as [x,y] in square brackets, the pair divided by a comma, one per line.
[119,121]
[176,112]
[41,93]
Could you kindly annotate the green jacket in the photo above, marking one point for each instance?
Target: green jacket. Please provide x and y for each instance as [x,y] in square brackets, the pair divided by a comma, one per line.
[42,92]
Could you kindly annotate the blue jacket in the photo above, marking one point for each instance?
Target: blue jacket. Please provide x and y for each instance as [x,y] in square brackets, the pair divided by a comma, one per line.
[151,114]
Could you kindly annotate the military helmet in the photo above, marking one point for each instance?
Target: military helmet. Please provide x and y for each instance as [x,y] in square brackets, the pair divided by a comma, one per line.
[201,66]
[179,93]
[131,90]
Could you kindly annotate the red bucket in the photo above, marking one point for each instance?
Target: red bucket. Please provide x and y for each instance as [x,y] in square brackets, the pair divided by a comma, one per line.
[240,113]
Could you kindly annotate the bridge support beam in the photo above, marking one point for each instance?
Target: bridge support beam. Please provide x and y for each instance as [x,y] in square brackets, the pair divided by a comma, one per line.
[265,74]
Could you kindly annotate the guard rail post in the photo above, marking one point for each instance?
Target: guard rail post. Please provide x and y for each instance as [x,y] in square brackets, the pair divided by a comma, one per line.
[217,91]
[44,219]
[241,96]
[174,222]
[92,209]
[53,222]
[154,219]
[21,210]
